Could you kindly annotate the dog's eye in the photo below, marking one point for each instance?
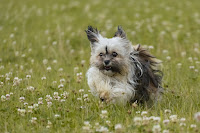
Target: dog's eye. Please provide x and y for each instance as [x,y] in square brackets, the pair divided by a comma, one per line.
[114,54]
[101,54]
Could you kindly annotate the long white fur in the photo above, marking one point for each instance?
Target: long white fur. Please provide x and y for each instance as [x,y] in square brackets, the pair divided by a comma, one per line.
[119,89]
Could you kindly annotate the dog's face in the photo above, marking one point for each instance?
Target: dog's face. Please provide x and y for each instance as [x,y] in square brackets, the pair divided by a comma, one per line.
[110,56]
[127,72]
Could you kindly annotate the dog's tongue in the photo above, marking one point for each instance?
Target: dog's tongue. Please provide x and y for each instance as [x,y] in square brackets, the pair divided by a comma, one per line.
[107,68]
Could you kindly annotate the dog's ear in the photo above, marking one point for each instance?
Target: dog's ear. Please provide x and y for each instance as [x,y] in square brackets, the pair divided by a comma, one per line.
[120,33]
[92,34]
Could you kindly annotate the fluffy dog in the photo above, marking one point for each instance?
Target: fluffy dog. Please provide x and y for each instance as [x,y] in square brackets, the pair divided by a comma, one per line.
[120,73]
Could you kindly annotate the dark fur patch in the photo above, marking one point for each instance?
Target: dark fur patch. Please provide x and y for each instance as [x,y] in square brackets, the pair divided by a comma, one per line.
[150,80]
[120,33]
[118,67]
[92,34]
[106,50]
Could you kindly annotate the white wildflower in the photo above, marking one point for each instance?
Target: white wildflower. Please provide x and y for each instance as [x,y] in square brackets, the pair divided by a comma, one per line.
[22,112]
[40,100]
[65,94]
[183,54]
[85,95]
[60,86]
[28,76]
[30,109]
[82,62]
[191,67]
[62,100]
[1,84]
[79,99]
[193,126]
[35,106]
[22,99]
[102,129]
[173,118]
[81,90]
[182,124]
[118,128]
[108,122]
[54,82]
[49,122]
[76,69]
[179,65]
[144,113]
[156,119]
[167,111]
[54,61]
[12,35]
[165,131]
[2,67]
[166,122]
[151,47]
[62,81]
[56,97]
[25,103]
[190,59]
[48,98]
[104,114]
[49,69]
[156,129]
[3,98]
[182,120]
[87,126]
[145,120]
[30,88]
[7,96]
[137,120]
[54,43]
[137,112]
[197,116]
[168,58]
[7,79]
[49,104]
[152,118]
[16,81]
[33,120]
[60,69]
[57,115]
[45,61]
[43,78]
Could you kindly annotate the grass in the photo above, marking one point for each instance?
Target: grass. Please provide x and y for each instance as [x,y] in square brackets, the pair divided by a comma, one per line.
[34,32]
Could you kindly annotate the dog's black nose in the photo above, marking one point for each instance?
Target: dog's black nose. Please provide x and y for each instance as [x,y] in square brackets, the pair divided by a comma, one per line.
[102,99]
[107,62]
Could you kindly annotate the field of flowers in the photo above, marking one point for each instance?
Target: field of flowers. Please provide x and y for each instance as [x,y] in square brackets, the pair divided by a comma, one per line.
[44,56]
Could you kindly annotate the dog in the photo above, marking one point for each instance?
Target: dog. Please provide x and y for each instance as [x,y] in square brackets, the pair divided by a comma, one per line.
[120,73]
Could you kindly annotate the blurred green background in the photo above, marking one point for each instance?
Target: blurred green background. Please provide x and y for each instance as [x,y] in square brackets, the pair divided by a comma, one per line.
[33,32]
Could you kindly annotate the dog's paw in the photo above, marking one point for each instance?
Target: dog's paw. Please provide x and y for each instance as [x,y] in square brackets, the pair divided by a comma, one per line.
[105,96]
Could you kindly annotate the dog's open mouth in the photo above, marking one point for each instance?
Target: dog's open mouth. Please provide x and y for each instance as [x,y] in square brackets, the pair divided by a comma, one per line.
[107,68]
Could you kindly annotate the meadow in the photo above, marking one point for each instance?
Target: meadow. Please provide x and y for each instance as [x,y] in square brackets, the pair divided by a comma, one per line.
[44,56]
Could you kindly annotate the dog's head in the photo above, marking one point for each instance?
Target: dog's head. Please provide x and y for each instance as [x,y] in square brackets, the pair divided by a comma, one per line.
[109,55]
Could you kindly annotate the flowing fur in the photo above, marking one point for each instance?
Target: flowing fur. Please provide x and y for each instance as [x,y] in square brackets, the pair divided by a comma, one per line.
[132,75]
[148,78]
